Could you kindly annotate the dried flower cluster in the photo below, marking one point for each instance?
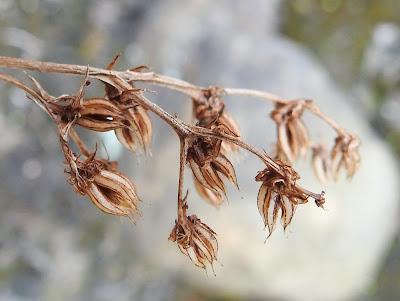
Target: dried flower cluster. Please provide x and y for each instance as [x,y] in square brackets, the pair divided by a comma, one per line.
[278,193]
[205,147]
[194,238]
[293,137]
[209,164]
[110,190]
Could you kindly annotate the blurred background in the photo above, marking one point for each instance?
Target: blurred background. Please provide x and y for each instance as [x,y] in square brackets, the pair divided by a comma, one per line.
[55,245]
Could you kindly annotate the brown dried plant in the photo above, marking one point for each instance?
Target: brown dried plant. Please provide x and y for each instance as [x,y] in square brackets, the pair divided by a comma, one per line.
[204,146]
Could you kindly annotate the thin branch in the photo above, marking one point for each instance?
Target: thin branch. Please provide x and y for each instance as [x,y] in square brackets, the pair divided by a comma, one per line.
[182,162]
[254,93]
[316,111]
[78,141]
[150,78]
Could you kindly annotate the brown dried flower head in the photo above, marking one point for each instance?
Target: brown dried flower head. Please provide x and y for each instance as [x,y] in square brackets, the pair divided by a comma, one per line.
[136,120]
[96,114]
[293,139]
[208,164]
[345,154]
[194,238]
[110,190]
[211,109]
[278,193]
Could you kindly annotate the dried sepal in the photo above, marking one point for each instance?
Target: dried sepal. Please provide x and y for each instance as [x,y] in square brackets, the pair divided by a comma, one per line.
[110,190]
[210,196]
[42,92]
[345,155]
[278,193]
[293,138]
[127,138]
[141,125]
[321,163]
[112,92]
[194,238]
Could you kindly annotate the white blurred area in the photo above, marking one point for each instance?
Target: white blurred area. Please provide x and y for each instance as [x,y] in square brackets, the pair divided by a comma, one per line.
[73,252]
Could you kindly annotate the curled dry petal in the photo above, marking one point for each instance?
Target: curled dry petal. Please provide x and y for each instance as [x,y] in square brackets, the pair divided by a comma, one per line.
[195,239]
[345,154]
[293,138]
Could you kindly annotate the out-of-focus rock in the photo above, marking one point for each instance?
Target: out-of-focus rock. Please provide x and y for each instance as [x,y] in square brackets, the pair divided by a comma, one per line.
[330,255]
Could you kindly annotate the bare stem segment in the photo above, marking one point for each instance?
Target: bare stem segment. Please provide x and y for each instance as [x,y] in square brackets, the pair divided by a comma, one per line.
[191,90]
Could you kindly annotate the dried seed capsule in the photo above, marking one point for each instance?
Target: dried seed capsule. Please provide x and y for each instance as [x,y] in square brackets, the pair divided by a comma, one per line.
[195,239]
[99,114]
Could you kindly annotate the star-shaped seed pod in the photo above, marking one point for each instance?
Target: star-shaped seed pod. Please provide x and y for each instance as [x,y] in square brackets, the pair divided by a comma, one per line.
[109,190]
[345,155]
[209,164]
[211,109]
[194,238]
[278,193]
[137,123]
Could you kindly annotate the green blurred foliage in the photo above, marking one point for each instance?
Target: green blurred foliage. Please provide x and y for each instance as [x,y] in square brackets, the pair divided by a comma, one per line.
[337,30]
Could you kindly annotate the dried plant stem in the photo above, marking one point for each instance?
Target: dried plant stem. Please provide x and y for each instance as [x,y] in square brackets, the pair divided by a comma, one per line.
[278,100]
[254,93]
[316,111]
[149,77]
[182,162]
[78,141]
[181,128]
